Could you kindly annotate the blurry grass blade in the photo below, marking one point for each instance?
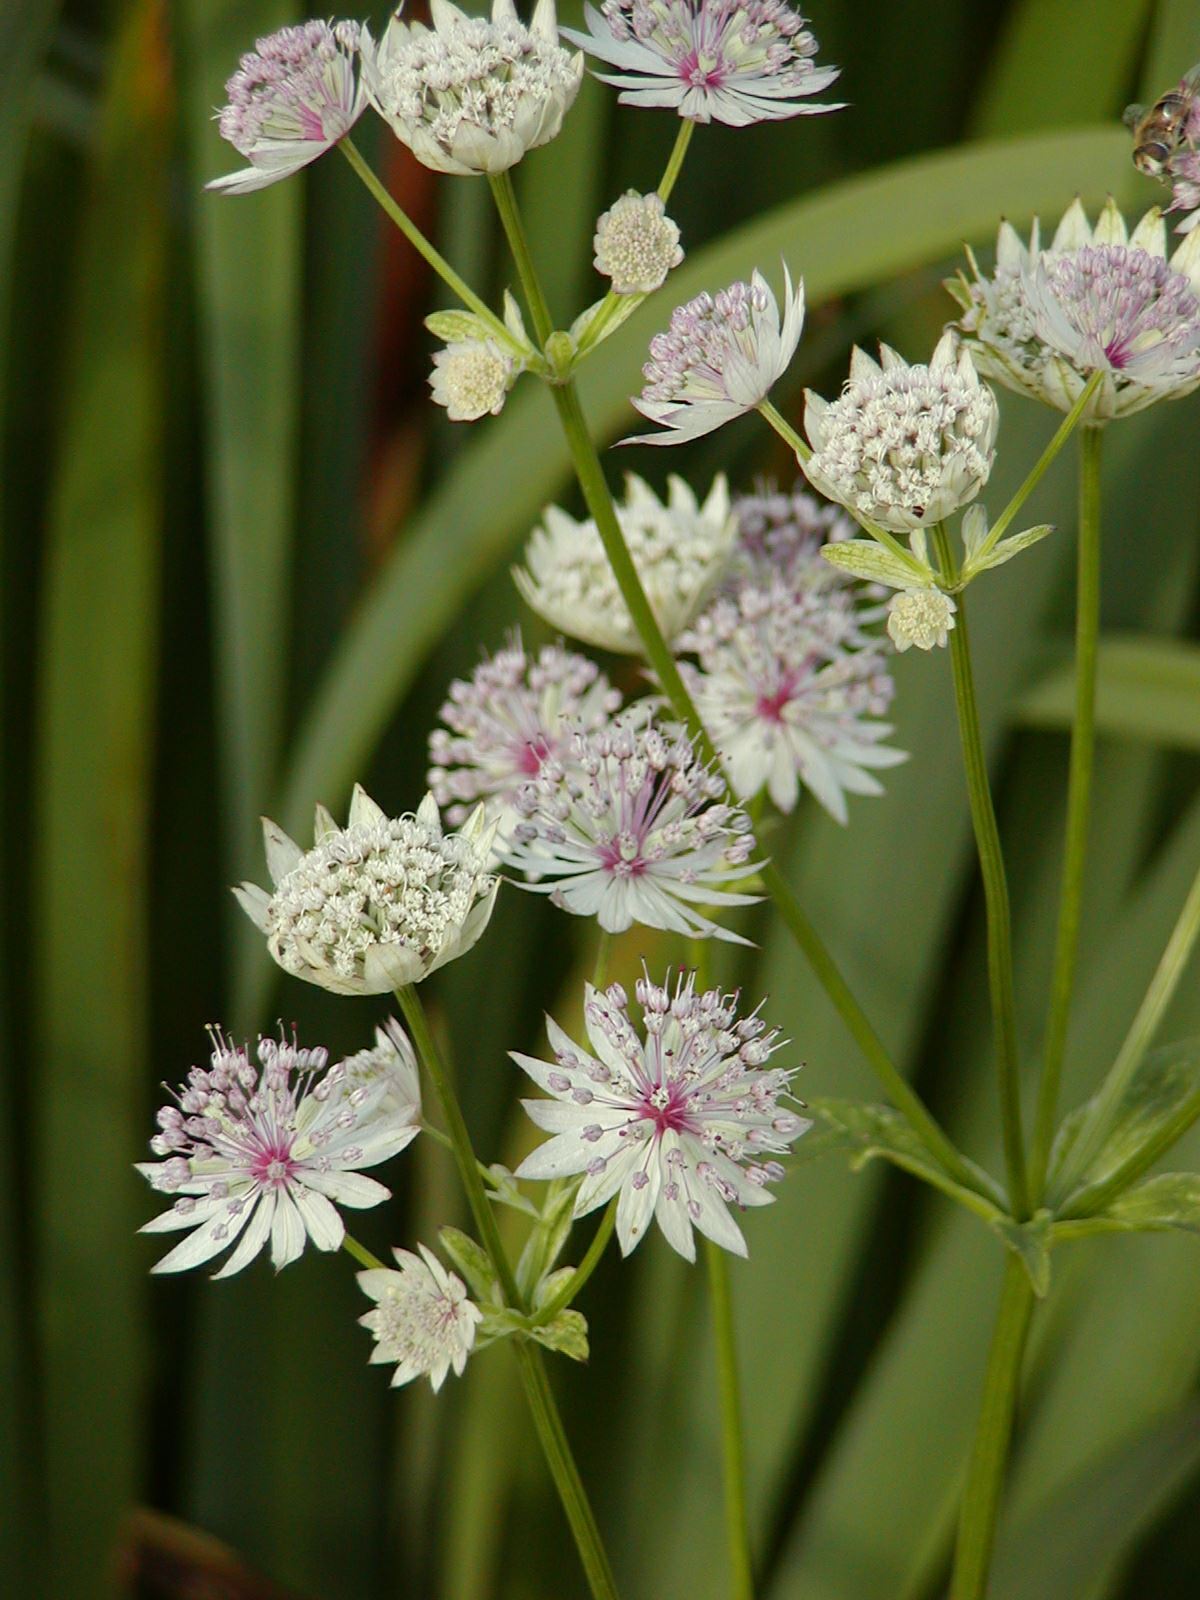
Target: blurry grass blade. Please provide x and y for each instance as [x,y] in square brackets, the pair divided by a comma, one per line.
[248,288]
[100,629]
[1146,689]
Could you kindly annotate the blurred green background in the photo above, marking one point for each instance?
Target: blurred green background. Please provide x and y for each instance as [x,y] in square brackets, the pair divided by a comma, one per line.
[242,558]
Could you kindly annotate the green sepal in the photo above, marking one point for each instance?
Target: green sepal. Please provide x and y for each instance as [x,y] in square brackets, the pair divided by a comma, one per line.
[1030,1243]
[471,1260]
[872,562]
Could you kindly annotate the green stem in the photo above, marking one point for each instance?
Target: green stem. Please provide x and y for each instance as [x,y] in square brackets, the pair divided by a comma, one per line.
[675,162]
[784,429]
[599,502]
[736,1523]
[361,1254]
[1097,1124]
[506,204]
[421,244]
[995,887]
[570,1290]
[993,1436]
[1079,802]
[533,1375]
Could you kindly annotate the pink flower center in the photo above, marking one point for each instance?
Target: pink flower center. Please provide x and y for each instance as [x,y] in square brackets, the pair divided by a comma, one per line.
[273,1166]
[530,755]
[770,706]
[698,76]
[666,1108]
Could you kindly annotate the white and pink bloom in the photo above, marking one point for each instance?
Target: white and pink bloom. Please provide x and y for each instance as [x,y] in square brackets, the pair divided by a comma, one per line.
[470,95]
[634,829]
[267,1148]
[292,98]
[681,1120]
[378,904]
[422,1320]
[720,357]
[515,712]
[732,61]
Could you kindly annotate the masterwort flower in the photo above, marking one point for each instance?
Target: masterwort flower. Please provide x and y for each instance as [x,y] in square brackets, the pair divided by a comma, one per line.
[682,1122]
[468,95]
[291,99]
[636,244]
[1185,188]
[921,617]
[786,686]
[679,550]
[378,904]
[720,357]
[262,1149]
[905,446]
[1098,300]
[634,829]
[732,61]
[472,377]
[514,713]
[422,1321]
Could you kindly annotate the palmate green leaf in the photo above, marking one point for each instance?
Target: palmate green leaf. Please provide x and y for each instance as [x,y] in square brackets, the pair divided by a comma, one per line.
[875,564]
[1164,1084]
[98,642]
[568,1334]
[1147,690]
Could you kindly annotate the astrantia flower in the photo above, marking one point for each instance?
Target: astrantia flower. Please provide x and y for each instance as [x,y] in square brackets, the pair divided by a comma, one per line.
[679,550]
[472,377]
[1185,189]
[787,694]
[905,446]
[378,904]
[636,244]
[720,358]
[732,61]
[921,617]
[633,829]
[515,712]
[1098,300]
[780,536]
[291,99]
[470,95]
[422,1321]
[262,1149]
[682,1122]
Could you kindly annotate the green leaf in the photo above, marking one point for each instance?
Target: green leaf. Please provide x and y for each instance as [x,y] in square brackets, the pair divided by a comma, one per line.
[1030,1243]
[1146,690]
[1163,1085]
[453,326]
[545,1290]
[1007,549]
[871,561]
[547,1239]
[568,1334]
[1169,1200]
[472,1261]
[868,1131]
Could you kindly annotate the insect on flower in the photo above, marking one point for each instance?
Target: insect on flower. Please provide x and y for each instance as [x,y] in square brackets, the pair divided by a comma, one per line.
[1162,130]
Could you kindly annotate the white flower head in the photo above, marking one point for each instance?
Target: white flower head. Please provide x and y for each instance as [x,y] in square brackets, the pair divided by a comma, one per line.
[266,1148]
[682,1119]
[634,829]
[905,446]
[378,904]
[472,377]
[708,60]
[469,95]
[422,1321]
[636,244]
[921,617]
[679,550]
[514,713]
[1097,300]
[789,688]
[720,357]
[291,99]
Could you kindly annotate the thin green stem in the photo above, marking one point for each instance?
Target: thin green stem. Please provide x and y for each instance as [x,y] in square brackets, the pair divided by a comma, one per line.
[1098,1123]
[784,429]
[1079,802]
[533,1375]
[993,1436]
[599,502]
[510,217]
[1064,431]
[603,954]
[570,1290]
[361,1254]
[737,1527]
[420,243]
[995,886]
[675,162]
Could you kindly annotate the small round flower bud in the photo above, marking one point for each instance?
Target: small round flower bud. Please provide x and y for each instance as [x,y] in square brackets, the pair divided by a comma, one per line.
[636,244]
[921,617]
[472,377]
